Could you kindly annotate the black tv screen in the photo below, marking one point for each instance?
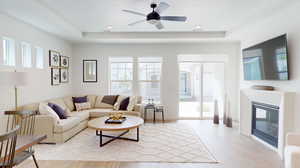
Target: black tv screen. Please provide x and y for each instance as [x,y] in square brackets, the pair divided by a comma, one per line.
[267,60]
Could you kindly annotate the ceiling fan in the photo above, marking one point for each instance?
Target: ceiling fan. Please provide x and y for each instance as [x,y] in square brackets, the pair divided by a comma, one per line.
[154,17]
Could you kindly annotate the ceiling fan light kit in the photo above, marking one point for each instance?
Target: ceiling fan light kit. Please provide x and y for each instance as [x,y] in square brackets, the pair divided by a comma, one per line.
[154,17]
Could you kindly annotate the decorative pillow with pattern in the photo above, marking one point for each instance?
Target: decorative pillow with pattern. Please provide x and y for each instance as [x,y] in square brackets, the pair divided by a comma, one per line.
[132,102]
[83,106]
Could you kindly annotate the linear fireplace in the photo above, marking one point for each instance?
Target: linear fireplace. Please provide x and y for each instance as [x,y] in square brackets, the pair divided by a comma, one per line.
[265,119]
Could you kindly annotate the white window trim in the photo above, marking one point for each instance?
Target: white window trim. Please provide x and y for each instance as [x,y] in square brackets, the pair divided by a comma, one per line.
[23,56]
[36,57]
[5,63]
[135,79]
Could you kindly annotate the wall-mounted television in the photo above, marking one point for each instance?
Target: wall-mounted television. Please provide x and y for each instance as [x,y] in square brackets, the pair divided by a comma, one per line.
[267,60]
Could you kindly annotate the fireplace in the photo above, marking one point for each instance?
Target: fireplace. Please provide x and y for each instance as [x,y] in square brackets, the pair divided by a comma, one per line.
[265,122]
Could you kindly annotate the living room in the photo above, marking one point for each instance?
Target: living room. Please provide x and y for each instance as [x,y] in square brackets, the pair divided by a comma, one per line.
[91,57]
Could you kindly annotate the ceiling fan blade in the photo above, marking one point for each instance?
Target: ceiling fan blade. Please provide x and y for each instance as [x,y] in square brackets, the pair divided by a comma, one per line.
[134,23]
[159,25]
[174,18]
[133,12]
[161,7]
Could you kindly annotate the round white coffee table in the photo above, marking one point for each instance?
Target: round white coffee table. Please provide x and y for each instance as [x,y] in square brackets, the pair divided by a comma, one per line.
[130,123]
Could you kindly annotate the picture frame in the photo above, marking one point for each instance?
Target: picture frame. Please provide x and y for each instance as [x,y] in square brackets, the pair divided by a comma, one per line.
[64,61]
[54,58]
[90,71]
[64,75]
[55,76]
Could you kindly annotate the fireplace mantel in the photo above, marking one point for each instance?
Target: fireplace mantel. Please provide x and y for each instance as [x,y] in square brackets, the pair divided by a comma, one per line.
[285,101]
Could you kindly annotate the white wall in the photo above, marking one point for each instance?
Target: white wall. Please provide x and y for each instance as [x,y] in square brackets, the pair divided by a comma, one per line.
[285,20]
[39,86]
[170,78]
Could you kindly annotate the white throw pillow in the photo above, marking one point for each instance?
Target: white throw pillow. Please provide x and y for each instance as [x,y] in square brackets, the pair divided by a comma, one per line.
[132,102]
[44,109]
[83,106]
[118,102]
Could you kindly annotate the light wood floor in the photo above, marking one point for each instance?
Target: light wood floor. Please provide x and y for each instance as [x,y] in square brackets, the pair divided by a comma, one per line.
[230,148]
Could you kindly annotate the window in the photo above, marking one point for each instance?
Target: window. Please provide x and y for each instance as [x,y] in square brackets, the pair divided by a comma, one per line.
[149,70]
[136,76]
[121,76]
[39,57]
[9,52]
[26,55]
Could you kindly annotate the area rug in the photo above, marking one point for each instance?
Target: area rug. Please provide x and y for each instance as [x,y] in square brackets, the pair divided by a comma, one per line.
[171,142]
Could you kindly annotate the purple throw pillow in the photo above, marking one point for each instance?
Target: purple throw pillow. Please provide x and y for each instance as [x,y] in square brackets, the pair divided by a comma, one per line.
[124,103]
[58,110]
[79,100]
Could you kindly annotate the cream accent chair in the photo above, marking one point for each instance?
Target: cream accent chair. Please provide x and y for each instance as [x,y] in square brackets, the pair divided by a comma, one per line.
[77,120]
[292,151]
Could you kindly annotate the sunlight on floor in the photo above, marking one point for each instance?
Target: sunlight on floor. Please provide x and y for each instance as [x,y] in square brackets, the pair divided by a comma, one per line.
[192,109]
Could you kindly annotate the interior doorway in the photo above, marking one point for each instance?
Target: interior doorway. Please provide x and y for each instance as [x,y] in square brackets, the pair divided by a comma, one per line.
[200,83]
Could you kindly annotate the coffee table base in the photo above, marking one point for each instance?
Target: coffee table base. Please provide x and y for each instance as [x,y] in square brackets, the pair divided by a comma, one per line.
[101,135]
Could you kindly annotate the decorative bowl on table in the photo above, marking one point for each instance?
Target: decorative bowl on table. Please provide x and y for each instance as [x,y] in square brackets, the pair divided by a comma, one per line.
[115,118]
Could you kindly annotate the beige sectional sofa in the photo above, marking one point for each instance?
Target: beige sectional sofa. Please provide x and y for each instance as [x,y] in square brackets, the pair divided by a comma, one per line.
[67,128]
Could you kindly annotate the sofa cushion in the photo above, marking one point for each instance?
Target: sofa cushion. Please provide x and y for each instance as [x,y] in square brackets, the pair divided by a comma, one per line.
[58,110]
[44,109]
[118,102]
[109,99]
[67,124]
[82,99]
[92,100]
[132,103]
[100,104]
[124,104]
[83,106]
[100,112]
[82,115]
[69,102]
[61,104]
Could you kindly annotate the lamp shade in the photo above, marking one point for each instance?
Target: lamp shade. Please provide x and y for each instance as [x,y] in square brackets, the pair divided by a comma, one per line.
[13,78]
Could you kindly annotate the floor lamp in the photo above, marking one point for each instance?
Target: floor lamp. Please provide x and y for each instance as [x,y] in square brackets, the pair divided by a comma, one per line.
[13,79]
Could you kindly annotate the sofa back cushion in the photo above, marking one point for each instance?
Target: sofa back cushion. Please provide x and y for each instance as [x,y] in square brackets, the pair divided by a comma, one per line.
[32,107]
[132,102]
[69,102]
[82,99]
[118,102]
[100,104]
[110,99]
[58,110]
[83,106]
[44,109]
[92,100]
[60,102]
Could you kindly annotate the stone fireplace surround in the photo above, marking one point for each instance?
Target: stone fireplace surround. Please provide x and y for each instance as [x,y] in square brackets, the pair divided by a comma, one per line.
[285,102]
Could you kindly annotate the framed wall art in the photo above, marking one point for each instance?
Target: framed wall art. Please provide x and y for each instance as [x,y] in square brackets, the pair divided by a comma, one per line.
[90,73]
[54,58]
[64,61]
[55,76]
[64,75]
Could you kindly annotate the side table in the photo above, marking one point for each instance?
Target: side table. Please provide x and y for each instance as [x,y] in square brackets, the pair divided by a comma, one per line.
[155,109]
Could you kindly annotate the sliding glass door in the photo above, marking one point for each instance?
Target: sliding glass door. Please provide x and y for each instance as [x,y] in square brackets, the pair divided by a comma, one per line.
[200,85]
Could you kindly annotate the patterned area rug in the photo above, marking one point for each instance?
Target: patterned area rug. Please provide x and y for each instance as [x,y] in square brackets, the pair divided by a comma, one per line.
[174,143]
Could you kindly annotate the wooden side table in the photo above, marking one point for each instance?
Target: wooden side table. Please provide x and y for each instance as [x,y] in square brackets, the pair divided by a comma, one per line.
[156,109]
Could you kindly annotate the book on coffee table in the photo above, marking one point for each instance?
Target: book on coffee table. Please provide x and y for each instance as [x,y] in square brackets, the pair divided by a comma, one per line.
[112,121]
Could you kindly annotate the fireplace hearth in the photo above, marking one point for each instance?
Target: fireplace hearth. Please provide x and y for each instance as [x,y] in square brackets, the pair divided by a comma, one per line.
[265,122]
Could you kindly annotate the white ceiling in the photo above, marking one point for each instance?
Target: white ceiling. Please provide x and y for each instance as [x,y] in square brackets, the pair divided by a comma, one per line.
[70,18]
